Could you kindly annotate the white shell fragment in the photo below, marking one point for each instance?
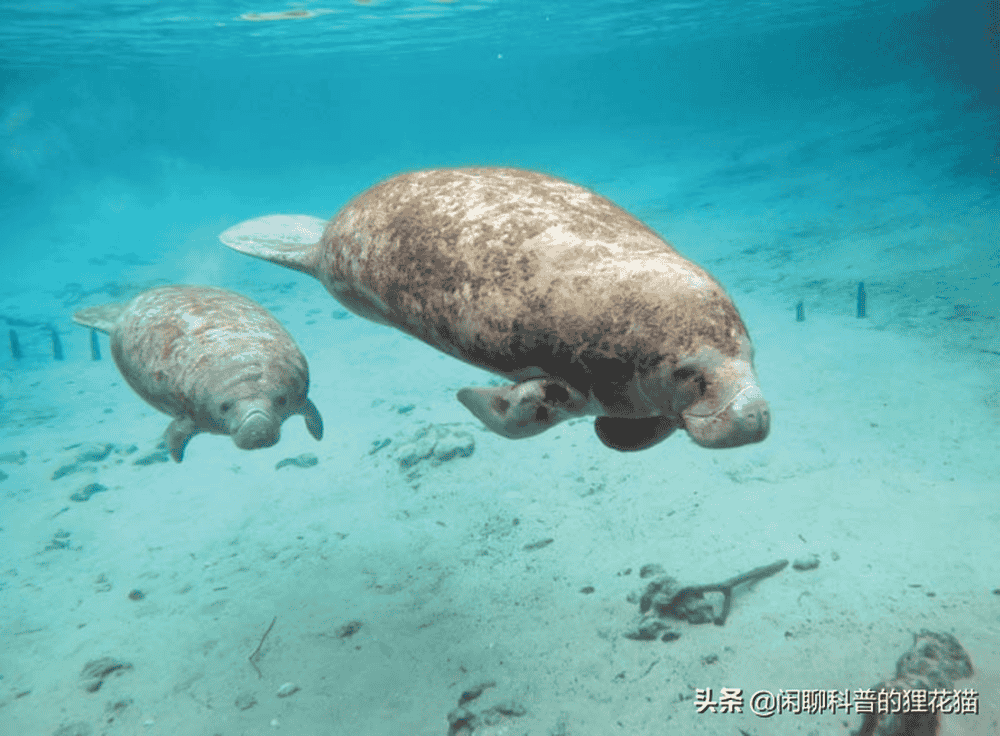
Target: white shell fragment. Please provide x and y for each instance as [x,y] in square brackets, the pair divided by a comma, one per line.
[289,688]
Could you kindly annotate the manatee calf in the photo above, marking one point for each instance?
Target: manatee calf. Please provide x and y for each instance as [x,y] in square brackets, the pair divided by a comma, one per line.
[212,359]
[545,283]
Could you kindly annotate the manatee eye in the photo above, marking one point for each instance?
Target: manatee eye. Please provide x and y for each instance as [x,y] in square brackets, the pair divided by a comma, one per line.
[683,375]
[225,406]
[281,401]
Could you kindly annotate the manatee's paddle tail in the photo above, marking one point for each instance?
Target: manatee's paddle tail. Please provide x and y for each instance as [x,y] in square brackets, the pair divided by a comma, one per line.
[102,317]
[288,240]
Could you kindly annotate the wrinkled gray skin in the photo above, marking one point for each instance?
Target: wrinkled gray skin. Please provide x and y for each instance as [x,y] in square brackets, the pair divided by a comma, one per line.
[212,359]
[543,282]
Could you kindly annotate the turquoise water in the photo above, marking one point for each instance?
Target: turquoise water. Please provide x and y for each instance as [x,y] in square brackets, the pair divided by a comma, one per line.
[422,574]
[120,34]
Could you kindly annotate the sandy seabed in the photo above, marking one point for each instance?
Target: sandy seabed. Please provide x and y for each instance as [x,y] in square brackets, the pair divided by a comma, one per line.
[398,588]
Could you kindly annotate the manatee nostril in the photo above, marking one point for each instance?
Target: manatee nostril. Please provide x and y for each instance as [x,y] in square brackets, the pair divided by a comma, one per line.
[757,420]
[257,430]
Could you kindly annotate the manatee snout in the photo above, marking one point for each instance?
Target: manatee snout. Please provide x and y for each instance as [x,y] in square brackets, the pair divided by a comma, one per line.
[744,420]
[257,428]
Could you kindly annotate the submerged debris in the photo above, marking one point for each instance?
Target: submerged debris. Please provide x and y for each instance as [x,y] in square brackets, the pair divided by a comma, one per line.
[305,460]
[97,671]
[934,662]
[437,443]
[664,598]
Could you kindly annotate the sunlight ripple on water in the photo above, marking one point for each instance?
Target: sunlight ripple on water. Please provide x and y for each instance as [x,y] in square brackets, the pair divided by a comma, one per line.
[120,32]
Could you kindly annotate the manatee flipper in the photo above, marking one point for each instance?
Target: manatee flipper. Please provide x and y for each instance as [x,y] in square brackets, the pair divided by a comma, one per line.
[288,240]
[101,317]
[629,435]
[314,422]
[177,435]
[524,409]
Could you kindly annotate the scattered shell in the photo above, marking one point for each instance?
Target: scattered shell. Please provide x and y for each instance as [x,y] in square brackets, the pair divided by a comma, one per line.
[16,457]
[97,671]
[349,629]
[809,562]
[289,688]
[305,460]
[437,443]
[87,491]
[80,728]
[245,701]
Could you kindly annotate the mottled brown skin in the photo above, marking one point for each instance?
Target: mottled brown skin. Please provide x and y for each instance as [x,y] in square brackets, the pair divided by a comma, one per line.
[533,277]
[491,290]
[214,360]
